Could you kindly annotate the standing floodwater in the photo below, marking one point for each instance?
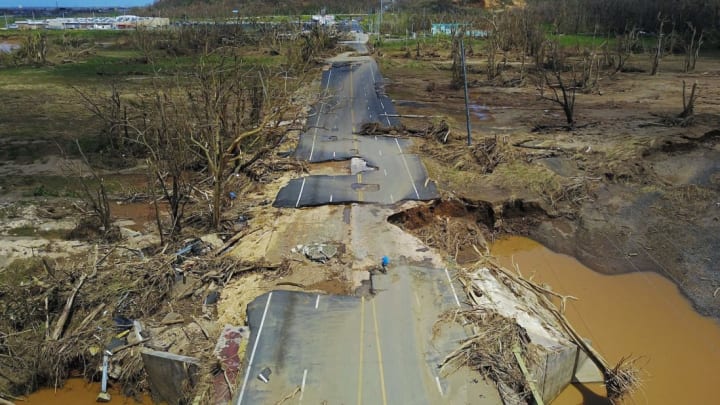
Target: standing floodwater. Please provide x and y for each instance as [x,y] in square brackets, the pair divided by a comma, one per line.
[639,314]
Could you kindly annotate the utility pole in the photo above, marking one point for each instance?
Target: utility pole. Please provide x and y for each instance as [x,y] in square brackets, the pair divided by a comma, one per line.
[380,19]
[467,107]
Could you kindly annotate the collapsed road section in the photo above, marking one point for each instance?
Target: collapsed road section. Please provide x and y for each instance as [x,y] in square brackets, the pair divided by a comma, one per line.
[352,95]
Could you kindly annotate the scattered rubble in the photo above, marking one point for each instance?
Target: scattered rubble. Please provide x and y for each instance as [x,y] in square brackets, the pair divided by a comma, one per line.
[317,252]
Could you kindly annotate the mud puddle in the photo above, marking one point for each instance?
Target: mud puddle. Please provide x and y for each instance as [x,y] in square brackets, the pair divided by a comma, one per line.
[79,392]
[140,213]
[638,314]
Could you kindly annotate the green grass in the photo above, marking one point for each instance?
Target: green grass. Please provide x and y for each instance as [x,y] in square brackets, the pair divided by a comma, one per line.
[19,271]
[581,41]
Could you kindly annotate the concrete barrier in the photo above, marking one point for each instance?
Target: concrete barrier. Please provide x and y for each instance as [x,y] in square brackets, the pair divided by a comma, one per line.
[169,374]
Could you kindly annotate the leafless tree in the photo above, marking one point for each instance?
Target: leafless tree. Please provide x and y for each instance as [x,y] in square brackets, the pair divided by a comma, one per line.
[222,120]
[692,48]
[95,194]
[657,56]
[33,49]
[112,112]
[457,70]
[168,156]
[624,46]
[688,102]
[562,91]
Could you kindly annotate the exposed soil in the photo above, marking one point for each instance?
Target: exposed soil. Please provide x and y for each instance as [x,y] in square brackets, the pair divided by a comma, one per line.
[623,191]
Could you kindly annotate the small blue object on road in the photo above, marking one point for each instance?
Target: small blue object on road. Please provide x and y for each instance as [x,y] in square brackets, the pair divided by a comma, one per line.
[385,261]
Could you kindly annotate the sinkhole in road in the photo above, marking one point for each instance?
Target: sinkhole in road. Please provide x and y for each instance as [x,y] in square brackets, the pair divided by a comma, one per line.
[452,225]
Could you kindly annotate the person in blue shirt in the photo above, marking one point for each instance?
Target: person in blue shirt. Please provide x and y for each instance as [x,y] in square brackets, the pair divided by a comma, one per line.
[385,263]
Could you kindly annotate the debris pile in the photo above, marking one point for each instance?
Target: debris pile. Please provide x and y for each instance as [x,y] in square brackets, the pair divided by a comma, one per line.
[68,315]
[519,331]
[451,225]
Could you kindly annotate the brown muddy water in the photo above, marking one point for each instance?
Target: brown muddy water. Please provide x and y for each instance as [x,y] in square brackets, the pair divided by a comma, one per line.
[78,392]
[141,213]
[638,314]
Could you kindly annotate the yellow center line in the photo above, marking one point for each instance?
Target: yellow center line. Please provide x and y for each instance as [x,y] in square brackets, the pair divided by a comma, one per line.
[379,353]
[362,349]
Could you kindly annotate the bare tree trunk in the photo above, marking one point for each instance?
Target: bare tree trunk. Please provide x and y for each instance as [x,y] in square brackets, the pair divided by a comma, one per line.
[457,74]
[96,196]
[689,102]
[692,48]
[659,48]
[563,93]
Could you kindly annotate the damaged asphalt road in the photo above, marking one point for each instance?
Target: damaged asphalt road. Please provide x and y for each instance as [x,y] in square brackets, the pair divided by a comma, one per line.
[353,96]
[384,345]
[348,349]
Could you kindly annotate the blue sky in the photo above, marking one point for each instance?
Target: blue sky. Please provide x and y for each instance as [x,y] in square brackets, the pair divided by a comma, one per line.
[73,3]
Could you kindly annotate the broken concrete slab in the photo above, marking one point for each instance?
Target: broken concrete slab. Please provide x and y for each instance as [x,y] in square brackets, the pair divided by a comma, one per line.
[319,252]
[586,371]
[358,165]
[555,353]
[169,374]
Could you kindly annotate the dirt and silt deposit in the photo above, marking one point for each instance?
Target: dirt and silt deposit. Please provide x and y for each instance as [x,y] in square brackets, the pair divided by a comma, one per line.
[623,192]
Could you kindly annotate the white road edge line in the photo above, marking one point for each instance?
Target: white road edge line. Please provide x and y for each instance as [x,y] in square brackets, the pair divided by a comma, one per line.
[317,301]
[437,380]
[385,171]
[380,151]
[317,121]
[412,181]
[392,200]
[252,354]
[417,299]
[300,193]
[302,387]
[452,287]
[331,197]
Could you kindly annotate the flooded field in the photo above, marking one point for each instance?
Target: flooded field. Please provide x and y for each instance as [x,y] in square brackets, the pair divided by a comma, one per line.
[78,392]
[638,314]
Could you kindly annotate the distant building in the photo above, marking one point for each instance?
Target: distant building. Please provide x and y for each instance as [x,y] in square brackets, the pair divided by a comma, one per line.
[94,23]
[452,28]
[324,19]
[30,24]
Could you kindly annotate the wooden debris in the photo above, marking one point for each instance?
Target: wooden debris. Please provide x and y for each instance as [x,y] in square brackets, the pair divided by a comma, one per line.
[60,325]
[289,396]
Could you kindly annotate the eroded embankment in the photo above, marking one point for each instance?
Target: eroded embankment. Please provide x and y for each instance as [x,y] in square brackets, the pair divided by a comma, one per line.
[462,228]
